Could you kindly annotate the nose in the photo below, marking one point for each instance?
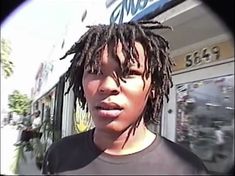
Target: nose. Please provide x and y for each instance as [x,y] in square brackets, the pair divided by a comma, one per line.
[109,85]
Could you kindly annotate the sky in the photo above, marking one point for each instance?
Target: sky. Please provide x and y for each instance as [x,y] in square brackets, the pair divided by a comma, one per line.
[33,29]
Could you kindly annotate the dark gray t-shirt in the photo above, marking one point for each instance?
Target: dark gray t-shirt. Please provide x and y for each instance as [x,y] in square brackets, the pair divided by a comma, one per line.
[78,155]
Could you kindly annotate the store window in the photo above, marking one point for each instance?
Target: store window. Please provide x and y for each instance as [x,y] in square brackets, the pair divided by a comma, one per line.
[205,120]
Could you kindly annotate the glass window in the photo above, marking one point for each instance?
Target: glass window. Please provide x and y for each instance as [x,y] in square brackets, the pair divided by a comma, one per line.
[205,120]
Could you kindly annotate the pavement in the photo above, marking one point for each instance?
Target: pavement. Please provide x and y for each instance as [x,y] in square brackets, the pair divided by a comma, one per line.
[28,167]
[9,135]
[8,138]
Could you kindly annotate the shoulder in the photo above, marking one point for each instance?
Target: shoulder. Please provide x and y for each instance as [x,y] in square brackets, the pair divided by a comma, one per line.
[66,153]
[178,150]
[183,157]
[69,142]
[174,147]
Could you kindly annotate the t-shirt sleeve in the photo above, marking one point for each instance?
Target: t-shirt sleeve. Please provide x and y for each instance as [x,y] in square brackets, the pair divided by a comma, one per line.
[182,159]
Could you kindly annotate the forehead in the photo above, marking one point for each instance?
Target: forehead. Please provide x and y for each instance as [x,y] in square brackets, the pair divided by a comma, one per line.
[109,52]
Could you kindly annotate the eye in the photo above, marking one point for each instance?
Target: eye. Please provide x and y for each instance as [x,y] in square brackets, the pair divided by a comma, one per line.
[93,71]
[133,73]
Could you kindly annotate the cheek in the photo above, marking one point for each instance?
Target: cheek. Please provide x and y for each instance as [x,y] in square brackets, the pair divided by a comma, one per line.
[137,86]
[137,93]
[90,87]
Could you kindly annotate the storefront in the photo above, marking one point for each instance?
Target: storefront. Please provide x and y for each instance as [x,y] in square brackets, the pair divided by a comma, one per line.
[201,101]
[200,112]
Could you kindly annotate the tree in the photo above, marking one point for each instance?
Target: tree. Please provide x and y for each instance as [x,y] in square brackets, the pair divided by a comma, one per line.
[6,64]
[19,103]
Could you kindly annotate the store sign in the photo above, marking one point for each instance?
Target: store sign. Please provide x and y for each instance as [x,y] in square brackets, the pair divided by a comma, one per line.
[127,9]
[203,56]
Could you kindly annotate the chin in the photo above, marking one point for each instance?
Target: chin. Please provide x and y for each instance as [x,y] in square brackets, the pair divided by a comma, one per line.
[113,127]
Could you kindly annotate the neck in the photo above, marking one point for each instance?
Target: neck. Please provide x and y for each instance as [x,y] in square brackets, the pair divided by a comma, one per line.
[118,144]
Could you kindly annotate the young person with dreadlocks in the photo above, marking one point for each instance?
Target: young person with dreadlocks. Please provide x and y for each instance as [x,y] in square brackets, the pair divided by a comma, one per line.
[120,73]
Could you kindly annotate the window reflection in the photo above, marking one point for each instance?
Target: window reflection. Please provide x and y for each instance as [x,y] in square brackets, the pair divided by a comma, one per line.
[205,120]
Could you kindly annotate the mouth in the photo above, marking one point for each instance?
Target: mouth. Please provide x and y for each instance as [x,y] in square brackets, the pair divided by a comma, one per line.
[108,106]
[109,110]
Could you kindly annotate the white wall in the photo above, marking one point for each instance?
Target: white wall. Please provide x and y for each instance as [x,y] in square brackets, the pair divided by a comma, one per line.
[67,114]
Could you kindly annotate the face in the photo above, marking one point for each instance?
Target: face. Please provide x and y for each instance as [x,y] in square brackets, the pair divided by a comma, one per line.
[114,107]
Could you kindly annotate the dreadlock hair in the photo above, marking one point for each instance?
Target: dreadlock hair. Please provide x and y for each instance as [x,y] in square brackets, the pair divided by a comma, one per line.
[88,49]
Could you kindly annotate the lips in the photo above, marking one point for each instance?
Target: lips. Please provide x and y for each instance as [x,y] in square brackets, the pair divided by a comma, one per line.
[109,110]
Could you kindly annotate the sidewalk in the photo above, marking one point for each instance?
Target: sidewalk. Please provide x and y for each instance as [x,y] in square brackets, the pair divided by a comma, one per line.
[8,138]
[8,154]
[28,167]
